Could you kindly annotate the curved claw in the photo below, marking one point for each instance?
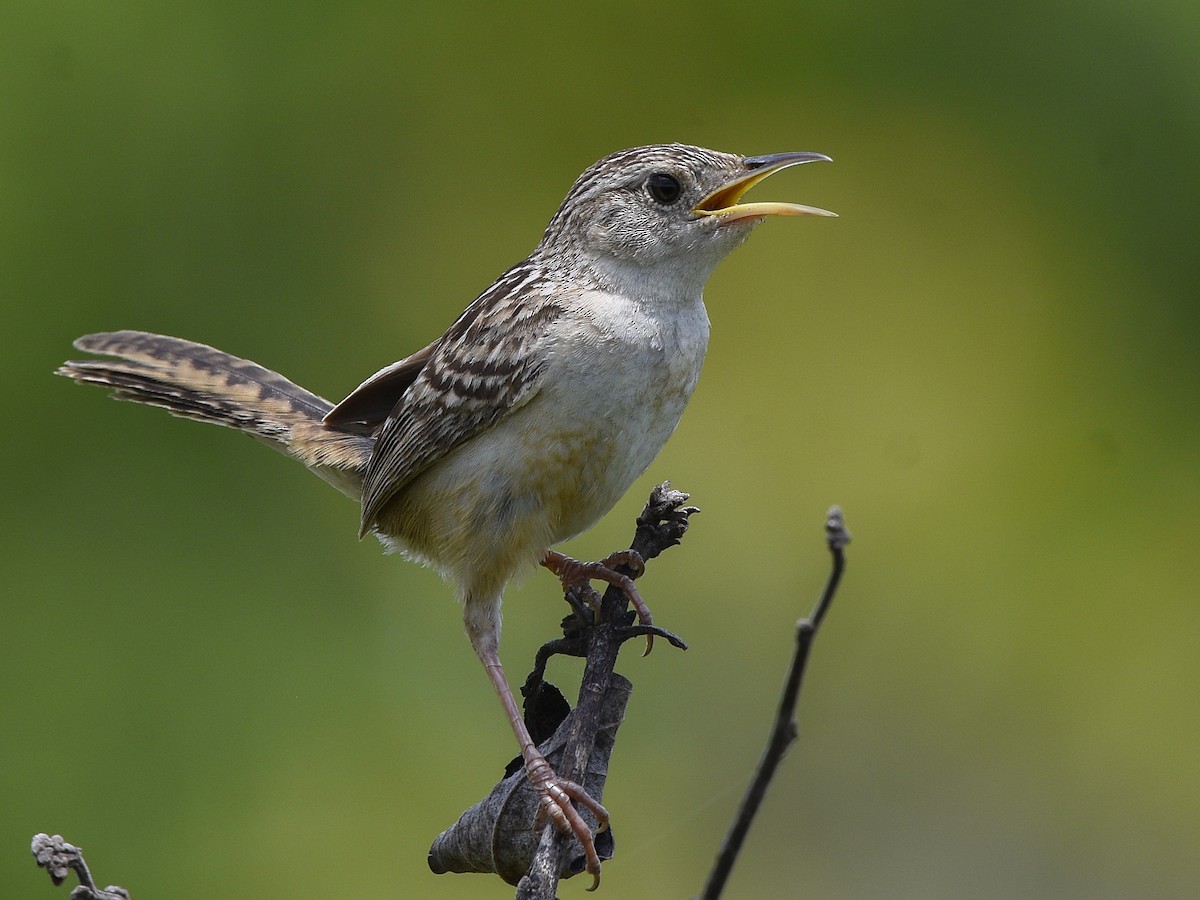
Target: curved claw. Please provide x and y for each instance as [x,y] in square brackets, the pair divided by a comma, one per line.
[559,797]
[572,572]
[633,560]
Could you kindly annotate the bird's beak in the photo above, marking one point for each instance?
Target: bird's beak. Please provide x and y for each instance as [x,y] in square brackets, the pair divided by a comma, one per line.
[723,202]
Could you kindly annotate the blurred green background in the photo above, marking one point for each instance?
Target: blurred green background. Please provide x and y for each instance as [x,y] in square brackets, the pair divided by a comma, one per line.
[990,360]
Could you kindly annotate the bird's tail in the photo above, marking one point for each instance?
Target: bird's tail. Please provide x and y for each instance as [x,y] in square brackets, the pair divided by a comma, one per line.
[199,382]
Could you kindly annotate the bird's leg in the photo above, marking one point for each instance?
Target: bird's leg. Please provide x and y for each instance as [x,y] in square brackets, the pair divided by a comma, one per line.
[573,573]
[556,793]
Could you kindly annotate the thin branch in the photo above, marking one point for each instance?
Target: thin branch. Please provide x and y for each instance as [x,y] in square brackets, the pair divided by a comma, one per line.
[785,729]
[59,858]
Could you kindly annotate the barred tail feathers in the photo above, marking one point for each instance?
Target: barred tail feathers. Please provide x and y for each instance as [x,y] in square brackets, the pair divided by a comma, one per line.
[199,382]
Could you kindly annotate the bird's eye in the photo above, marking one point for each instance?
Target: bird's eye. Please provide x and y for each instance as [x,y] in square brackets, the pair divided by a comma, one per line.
[663,187]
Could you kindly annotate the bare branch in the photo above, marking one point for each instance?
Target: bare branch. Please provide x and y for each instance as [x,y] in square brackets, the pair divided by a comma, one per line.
[59,858]
[662,524]
[785,728]
[497,834]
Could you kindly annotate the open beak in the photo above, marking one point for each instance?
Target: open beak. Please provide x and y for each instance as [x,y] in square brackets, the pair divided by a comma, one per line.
[723,202]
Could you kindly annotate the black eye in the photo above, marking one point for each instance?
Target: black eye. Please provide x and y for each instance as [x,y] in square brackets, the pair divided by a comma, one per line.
[663,187]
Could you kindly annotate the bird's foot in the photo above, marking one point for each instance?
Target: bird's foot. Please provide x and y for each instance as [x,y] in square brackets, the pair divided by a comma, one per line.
[573,573]
[559,798]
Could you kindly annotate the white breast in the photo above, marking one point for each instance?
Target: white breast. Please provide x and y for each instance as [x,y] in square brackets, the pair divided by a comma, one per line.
[622,373]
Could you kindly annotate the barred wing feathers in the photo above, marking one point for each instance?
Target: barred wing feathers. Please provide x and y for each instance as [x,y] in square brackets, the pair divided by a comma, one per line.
[489,363]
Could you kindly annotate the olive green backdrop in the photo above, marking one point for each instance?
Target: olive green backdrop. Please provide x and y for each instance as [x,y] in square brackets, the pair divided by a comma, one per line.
[990,360]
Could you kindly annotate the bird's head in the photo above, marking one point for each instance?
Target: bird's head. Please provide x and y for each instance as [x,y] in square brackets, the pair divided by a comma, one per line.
[665,213]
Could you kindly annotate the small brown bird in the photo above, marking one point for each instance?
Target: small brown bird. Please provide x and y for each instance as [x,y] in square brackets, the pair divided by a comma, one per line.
[528,419]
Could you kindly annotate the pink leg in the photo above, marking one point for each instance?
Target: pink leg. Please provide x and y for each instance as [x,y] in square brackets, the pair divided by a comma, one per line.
[556,793]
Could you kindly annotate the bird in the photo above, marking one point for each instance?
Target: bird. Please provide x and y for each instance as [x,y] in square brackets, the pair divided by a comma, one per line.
[528,419]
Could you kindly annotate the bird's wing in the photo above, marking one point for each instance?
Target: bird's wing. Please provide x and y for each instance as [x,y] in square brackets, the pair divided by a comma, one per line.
[367,407]
[487,364]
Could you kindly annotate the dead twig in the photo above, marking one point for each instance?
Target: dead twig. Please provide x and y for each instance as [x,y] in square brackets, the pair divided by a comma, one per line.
[59,858]
[785,728]
[497,834]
